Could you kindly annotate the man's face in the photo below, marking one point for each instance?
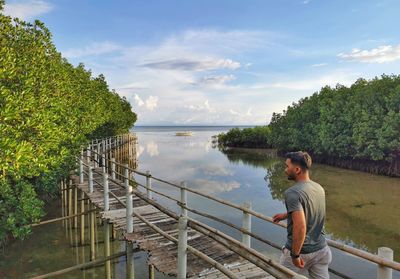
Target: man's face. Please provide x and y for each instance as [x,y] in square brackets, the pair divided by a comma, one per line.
[291,170]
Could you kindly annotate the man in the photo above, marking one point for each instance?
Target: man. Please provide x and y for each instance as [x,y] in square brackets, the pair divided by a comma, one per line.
[305,251]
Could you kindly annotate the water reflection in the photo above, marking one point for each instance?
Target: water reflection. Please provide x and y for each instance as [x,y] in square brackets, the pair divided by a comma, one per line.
[213,186]
[152,149]
[362,209]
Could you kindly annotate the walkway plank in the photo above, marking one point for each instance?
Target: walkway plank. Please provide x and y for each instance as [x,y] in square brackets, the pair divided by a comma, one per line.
[163,252]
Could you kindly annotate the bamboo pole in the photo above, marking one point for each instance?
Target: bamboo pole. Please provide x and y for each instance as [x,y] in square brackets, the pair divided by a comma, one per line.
[92,240]
[130,262]
[76,207]
[106,227]
[196,252]
[82,235]
[59,219]
[151,272]
[337,245]
[79,266]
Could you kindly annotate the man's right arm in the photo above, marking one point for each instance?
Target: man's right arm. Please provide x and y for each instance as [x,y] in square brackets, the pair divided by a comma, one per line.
[279,217]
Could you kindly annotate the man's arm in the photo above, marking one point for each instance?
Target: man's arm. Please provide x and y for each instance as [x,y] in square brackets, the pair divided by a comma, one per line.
[298,234]
[279,217]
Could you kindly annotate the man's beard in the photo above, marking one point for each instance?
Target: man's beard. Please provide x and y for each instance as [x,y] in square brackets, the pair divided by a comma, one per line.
[291,176]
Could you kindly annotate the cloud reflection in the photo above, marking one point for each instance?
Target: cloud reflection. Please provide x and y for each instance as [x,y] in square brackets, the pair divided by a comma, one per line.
[152,149]
[213,187]
[216,170]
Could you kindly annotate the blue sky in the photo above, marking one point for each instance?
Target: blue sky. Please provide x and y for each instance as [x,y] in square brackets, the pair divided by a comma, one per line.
[221,62]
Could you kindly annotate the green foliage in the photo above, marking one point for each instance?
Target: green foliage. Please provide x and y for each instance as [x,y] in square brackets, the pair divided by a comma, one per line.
[49,110]
[361,121]
[248,137]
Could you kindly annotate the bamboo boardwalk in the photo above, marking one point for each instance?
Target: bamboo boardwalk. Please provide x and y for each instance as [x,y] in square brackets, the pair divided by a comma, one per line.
[176,244]
[163,252]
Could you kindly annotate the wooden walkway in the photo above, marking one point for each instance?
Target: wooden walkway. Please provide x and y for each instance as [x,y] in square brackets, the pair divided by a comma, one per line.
[163,252]
[146,225]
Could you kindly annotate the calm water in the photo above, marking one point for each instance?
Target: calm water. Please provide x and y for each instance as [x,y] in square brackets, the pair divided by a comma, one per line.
[362,210]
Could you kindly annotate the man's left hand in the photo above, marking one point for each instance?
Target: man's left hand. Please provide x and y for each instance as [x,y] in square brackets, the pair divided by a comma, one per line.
[299,262]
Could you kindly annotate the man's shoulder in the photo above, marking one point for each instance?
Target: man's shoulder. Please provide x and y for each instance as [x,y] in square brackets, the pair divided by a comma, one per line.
[293,191]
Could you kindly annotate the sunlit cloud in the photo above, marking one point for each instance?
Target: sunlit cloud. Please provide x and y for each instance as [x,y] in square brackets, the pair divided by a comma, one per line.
[151,102]
[193,65]
[27,10]
[93,49]
[381,54]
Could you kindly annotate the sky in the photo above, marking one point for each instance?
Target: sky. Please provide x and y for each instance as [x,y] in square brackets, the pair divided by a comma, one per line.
[221,62]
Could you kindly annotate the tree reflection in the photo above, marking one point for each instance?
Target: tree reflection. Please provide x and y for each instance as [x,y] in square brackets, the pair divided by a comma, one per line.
[274,166]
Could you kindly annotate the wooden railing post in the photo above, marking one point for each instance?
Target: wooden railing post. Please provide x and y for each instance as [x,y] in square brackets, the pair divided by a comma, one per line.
[129,205]
[113,168]
[81,168]
[96,157]
[246,240]
[182,247]
[90,179]
[105,189]
[88,155]
[183,199]
[385,272]
[148,185]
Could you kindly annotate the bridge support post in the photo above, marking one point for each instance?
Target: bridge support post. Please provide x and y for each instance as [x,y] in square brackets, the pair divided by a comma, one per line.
[385,272]
[182,247]
[106,228]
[130,264]
[151,272]
[76,206]
[246,239]
[92,236]
[62,200]
[148,185]
[70,204]
[82,234]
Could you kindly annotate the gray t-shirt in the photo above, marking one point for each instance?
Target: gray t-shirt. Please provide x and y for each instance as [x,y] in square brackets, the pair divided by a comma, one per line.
[310,197]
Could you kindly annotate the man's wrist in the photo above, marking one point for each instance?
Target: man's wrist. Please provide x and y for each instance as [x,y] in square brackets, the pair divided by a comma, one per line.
[294,256]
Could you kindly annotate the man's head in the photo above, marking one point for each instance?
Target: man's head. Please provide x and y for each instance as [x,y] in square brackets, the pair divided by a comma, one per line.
[297,164]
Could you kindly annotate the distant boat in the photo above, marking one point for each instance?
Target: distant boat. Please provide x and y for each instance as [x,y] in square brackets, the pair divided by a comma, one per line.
[184,134]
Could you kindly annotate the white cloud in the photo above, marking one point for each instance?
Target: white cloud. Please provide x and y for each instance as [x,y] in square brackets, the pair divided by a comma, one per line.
[217,79]
[319,65]
[151,102]
[138,100]
[203,107]
[305,2]
[312,84]
[27,10]
[381,54]
[194,65]
[97,48]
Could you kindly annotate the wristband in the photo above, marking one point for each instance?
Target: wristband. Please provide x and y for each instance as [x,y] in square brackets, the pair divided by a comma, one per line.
[293,256]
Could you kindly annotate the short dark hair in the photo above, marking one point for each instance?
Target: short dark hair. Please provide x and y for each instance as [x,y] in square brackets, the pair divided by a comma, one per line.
[300,158]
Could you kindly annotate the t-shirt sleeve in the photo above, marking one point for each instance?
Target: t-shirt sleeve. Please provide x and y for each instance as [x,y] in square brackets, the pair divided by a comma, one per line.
[292,200]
